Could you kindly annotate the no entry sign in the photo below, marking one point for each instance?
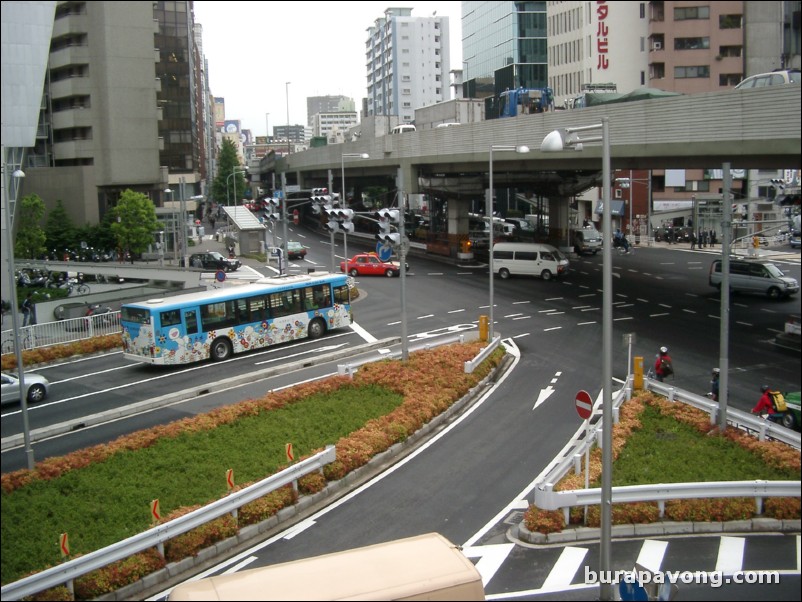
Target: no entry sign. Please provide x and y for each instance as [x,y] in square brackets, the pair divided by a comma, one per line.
[584,406]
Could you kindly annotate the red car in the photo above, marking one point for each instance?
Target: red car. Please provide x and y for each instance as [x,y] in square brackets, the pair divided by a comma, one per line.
[369,264]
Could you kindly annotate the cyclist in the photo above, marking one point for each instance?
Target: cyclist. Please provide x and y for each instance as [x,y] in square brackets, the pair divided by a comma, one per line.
[766,405]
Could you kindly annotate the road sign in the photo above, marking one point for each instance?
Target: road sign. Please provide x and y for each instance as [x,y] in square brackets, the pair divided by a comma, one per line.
[384,251]
[632,592]
[584,406]
[220,276]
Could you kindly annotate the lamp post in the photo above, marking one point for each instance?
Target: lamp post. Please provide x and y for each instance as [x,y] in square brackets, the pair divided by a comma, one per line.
[489,217]
[557,141]
[287,92]
[184,242]
[17,174]
[267,130]
[234,172]
[173,229]
[344,201]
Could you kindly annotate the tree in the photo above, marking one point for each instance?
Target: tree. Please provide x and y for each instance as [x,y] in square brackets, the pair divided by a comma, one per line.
[30,240]
[224,184]
[59,230]
[133,222]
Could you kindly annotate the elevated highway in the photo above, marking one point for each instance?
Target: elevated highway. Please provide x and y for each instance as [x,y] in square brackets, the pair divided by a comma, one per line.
[757,128]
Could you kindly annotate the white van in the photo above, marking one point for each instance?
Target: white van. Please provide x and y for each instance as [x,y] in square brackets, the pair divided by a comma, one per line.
[528,259]
[401,129]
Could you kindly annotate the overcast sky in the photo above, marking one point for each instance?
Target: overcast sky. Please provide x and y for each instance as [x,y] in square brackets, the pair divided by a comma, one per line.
[254,48]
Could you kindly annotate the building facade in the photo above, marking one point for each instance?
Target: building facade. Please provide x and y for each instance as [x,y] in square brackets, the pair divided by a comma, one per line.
[122,106]
[327,104]
[408,63]
[506,41]
[333,126]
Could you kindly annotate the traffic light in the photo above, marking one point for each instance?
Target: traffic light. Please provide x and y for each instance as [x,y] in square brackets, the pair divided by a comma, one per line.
[333,224]
[320,197]
[273,212]
[386,219]
[389,238]
[345,216]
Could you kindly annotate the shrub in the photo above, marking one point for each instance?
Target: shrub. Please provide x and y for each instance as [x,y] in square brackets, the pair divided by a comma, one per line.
[544,521]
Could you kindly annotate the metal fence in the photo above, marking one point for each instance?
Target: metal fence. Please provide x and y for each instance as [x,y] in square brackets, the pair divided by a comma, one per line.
[61,332]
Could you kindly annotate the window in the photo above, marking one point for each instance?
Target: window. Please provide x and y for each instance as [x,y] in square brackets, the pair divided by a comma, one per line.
[691,43]
[734,51]
[691,72]
[691,12]
[729,79]
[730,21]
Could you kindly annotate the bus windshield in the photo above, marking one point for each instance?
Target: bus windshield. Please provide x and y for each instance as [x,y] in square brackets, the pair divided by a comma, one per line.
[218,323]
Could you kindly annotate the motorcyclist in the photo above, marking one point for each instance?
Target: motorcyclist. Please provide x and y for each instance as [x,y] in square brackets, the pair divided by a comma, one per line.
[662,365]
[765,405]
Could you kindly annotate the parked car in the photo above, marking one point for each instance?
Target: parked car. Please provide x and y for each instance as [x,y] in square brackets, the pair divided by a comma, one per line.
[36,387]
[295,250]
[212,260]
[774,78]
[793,240]
[369,264]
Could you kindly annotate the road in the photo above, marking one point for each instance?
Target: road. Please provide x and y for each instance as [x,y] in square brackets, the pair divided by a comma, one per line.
[471,483]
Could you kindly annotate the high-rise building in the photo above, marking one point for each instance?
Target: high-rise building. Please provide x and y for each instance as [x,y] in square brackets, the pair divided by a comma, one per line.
[506,42]
[123,106]
[327,104]
[333,125]
[408,63]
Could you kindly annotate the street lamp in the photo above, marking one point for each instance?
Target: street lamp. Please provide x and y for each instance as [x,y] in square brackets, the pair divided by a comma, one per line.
[287,92]
[489,217]
[17,174]
[234,172]
[173,229]
[557,141]
[344,200]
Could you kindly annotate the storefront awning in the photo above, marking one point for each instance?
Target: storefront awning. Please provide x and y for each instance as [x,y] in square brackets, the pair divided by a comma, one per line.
[616,208]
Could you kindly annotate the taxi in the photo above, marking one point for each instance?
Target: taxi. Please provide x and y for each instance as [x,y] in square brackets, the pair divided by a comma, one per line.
[369,264]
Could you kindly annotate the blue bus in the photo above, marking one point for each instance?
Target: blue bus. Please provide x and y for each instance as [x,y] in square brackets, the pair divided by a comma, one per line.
[219,323]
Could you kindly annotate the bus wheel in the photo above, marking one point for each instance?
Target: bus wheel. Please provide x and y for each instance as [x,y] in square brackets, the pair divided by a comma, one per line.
[316,328]
[220,350]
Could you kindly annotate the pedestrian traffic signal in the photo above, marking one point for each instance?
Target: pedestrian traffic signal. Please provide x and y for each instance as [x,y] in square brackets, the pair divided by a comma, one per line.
[390,215]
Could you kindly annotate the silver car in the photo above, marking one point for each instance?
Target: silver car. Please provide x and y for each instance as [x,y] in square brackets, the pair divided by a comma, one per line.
[36,387]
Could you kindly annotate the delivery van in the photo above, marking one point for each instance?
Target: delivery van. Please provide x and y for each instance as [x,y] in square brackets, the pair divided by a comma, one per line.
[528,259]
[424,567]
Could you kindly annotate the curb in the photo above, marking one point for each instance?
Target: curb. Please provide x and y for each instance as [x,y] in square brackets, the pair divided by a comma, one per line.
[521,534]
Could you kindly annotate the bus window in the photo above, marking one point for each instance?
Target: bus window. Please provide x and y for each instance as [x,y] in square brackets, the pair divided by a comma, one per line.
[170,318]
[342,294]
[191,318]
[258,306]
[316,297]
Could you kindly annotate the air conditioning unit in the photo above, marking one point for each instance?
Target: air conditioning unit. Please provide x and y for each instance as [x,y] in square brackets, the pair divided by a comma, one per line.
[657,45]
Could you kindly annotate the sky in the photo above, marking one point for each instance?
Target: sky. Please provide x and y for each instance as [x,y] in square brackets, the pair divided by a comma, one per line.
[254,48]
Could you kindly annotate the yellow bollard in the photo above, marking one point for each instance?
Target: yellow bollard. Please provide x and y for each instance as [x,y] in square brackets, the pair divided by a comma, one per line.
[637,371]
[484,328]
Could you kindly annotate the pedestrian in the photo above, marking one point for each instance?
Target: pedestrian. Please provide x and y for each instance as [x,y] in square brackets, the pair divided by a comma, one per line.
[693,240]
[662,365]
[27,310]
[714,384]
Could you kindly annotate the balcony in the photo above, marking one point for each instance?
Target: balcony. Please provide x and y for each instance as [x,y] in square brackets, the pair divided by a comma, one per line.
[70,24]
[71,55]
[72,118]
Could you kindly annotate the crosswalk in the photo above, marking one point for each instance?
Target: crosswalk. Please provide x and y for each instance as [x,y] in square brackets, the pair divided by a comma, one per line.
[531,571]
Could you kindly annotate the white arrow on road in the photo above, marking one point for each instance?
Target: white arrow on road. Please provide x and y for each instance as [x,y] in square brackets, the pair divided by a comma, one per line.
[543,396]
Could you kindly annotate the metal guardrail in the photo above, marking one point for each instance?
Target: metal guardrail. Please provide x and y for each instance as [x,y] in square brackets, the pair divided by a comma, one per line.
[547,499]
[63,331]
[66,573]
[471,365]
